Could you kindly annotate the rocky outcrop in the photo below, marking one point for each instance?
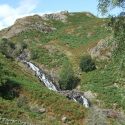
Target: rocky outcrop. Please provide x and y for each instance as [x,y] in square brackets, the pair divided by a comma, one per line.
[103,50]
[35,22]
[76,96]
[62,16]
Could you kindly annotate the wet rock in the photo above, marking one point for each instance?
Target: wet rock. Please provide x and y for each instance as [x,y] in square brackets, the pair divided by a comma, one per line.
[47,80]
[77,97]
[24,55]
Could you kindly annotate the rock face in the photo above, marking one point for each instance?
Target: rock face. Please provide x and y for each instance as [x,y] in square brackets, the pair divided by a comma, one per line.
[35,22]
[76,96]
[103,50]
[56,16]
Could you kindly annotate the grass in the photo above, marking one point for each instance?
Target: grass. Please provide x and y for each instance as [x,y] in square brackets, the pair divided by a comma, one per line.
[69,41]
[79,32]
[105,83]
[37,94]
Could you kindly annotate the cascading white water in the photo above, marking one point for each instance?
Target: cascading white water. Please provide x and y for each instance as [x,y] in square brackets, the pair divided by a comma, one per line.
[42,76]
[49,84]
[85,102]
[82,100]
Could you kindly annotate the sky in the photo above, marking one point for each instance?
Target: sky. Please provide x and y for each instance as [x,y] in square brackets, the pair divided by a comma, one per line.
[10,10]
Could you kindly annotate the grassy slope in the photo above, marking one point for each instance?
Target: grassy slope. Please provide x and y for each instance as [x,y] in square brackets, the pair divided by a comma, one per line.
[36,95]
[72,38]
[70,41]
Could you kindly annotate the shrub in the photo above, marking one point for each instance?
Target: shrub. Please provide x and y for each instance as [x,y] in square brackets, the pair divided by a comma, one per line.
[10,49]
[87,64]
[22,101]
[9,90]
[67,79]
[7,47]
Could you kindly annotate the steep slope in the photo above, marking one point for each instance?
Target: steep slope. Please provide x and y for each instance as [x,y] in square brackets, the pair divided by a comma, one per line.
[49,41]
[24,98]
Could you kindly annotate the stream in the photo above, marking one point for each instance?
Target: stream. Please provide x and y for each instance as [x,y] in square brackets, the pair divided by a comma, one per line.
[70,94]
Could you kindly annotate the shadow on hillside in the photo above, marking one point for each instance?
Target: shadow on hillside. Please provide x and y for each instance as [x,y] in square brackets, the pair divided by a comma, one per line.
[9,90]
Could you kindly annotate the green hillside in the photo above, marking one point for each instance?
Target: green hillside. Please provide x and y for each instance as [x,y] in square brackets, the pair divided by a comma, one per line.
[21,93]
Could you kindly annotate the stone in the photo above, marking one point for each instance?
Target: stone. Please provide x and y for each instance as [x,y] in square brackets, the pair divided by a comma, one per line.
[103,50]
[111,113]
[64,119]
[42,110]
[34,22]
[37,109]
[90,95]
[56,16]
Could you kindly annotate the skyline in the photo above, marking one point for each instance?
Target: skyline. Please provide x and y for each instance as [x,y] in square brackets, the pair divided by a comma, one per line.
[11,10]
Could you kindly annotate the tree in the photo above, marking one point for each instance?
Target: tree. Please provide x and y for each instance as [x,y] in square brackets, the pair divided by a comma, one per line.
[105,5]
[117,24]
[67,79]
[87,64]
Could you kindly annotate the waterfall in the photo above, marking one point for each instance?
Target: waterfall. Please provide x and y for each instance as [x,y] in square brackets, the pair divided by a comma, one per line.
[42,76]
[77,97]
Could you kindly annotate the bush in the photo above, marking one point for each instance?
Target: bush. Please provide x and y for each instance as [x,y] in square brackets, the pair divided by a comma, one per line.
[87,64]
[9,90]
[67,79]
[10,49]
[7,47]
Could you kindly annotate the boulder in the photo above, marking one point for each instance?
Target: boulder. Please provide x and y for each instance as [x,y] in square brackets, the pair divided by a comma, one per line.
[103,50]
[42,110]
[64,119]
[37,109]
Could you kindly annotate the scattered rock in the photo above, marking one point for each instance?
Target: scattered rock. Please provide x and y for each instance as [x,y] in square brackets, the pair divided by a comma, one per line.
[78,87]
[116,85]
[64,119]
[112,114]
[56,16]
[89,14]
[109,113]
[90,95]
[89,34]
[42,110]
[35,22]
[38,109]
